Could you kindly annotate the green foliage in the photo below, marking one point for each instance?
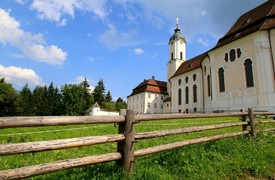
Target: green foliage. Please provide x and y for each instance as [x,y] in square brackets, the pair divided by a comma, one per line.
[120,104]
[109,106]
[99,92]
[8,97]
[73,100]
[89,101]
[108,97]
[25,102]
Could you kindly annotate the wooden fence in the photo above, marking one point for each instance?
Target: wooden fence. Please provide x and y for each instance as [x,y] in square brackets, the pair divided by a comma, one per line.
[125,139]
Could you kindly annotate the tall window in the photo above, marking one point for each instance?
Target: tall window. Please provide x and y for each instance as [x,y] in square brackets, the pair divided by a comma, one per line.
[186,95]
[249,73]
[179,96]
[181,55]
[172,56]
[221,80]
[208,85]
[195,93]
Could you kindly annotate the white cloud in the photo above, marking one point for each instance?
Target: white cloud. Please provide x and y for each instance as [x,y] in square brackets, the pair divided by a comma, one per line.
[20,1]
[53,10]
[209,17]
[116,39]
[63,22]
[138,51]
[20,76]
[32,45]
[204,42]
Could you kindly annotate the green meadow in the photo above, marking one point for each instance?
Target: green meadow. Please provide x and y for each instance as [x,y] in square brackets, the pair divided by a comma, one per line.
[239,157]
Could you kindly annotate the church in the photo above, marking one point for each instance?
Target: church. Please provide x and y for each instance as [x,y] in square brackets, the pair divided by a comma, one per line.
[237,73]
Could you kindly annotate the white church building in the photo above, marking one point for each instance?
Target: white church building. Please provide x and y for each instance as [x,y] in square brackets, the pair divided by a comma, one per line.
[238,73]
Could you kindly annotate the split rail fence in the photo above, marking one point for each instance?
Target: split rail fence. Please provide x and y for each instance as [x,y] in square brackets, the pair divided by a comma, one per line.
[125,138]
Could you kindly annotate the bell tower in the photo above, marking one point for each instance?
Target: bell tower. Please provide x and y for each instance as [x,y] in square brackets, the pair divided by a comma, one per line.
[177,53]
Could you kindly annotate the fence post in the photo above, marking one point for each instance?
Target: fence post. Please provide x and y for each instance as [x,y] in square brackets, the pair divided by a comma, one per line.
[127,147]
[252,122]
[243,118]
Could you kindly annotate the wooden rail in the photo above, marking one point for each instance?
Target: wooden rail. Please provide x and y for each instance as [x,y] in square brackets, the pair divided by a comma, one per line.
[125,139]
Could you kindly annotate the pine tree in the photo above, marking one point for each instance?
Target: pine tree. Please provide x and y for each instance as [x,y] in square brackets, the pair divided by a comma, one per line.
[26,103]
[98,93]
[87,94]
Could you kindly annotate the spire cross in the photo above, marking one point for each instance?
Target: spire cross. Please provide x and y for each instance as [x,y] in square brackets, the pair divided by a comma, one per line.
[177,23]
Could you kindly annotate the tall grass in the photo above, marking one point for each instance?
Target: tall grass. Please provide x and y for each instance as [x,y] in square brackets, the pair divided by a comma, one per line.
[232,158]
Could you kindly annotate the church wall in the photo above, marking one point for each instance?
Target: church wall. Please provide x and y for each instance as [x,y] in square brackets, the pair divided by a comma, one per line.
[206,73]
[153,103]
[136,103]
[231,59]
[188,81]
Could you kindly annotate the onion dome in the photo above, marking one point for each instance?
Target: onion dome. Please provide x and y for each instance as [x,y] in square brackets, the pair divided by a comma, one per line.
[177,36]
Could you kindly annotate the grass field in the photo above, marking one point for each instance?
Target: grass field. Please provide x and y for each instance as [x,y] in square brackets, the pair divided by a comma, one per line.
[233,158]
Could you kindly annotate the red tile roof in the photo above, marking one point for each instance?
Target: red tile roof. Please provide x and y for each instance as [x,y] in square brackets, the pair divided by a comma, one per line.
[190,64]
[151,85]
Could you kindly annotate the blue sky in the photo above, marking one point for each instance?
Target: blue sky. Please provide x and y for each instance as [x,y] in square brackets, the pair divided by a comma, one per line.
[119,41]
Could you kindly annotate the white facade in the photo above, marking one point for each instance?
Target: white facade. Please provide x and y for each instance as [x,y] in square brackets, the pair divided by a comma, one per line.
[238,73]
[148,97]
[255,48]
[187,94]
[177,52]
[146,103]
[96,111]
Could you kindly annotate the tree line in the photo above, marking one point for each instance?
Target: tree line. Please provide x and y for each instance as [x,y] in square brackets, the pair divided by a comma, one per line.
[69,100]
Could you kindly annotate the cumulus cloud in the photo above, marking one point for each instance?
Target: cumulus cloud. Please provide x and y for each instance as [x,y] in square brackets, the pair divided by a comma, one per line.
[20,76]
[56,10]
[32,45]
[138,51]
[116,39]
[209,17]
[204,42]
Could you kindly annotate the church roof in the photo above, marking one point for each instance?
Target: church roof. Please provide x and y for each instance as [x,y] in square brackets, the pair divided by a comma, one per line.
[151,85]
[96,104]
[177,36]
[259,18]
[190,64]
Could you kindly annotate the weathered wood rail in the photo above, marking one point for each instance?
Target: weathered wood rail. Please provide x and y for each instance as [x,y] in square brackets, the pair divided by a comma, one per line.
[125,139]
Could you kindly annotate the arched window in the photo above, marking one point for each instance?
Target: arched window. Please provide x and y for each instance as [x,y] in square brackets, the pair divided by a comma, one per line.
[186,95]
[249,73]
[232,55]
[194,77]
[179,96]
[172,56]
[221,80]
[181,55]
[208,85]
[195,93]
